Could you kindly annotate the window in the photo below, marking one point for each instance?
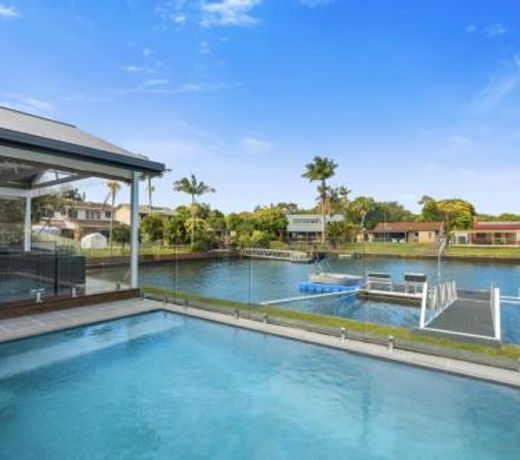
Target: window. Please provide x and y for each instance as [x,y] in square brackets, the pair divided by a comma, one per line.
[108,214]
[73,213]
[93,215]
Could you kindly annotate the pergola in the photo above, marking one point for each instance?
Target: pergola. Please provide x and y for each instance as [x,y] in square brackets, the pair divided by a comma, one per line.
[38,153]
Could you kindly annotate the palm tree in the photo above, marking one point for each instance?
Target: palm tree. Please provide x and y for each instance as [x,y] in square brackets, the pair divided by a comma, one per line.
[320,170]
[113,189]
[191,186]
[150,188]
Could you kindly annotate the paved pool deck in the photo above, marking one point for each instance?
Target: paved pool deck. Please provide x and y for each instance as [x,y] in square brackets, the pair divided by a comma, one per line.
[26,326]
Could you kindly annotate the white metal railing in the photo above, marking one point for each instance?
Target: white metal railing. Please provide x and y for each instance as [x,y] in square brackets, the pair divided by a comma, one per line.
[379,282]
[496,313]
[278,254]
[436,300]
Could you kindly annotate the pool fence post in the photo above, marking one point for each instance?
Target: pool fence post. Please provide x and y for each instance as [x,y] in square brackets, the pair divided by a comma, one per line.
[237,313]
[343,334]
[134,230]
[391,343]
[266,318]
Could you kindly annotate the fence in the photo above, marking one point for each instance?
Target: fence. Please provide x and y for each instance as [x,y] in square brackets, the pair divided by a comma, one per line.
[436,300]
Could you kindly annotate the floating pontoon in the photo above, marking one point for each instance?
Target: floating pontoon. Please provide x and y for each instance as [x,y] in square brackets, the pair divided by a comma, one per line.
[342,279]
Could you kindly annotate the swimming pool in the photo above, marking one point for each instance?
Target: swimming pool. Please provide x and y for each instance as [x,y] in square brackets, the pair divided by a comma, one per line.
[164,386]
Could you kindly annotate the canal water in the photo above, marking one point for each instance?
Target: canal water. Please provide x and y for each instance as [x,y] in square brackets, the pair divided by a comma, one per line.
[255,281]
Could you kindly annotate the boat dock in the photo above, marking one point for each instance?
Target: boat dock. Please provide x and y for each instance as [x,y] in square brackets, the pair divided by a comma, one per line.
[470,315]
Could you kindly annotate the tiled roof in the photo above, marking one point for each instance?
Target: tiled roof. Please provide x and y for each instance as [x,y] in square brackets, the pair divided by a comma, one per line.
[497,226]
[403,227]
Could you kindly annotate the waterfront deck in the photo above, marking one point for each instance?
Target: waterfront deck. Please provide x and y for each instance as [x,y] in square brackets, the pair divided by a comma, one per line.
[470,316]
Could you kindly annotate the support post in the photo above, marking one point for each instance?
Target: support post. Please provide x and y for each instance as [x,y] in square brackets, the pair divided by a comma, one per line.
[27,225]
[134,231]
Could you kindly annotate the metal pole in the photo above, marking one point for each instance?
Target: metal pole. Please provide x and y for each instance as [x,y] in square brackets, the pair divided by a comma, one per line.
[175,268]
[134,231]
[249,283]
[27,225]
[364,245]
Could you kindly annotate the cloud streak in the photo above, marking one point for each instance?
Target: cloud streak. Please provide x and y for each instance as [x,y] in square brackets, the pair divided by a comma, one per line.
[226,13]
[7,11]
[315,3]
[498,87]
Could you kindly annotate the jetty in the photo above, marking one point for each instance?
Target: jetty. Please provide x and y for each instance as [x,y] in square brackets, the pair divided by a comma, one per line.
[470,315]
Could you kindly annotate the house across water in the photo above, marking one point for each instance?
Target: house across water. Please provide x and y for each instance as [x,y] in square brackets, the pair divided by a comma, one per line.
[489,234]
[308,227]
[406,232]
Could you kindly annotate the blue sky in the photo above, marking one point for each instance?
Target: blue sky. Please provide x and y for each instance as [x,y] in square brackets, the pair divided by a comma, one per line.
[409,97]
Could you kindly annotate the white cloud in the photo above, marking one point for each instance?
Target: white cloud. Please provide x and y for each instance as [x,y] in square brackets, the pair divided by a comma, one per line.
[29,104]
[255,146]
[8,11]
[499,86]
[229,13]
[173,10]
[156,82]
[147,52]
[495,30]
[315,3]
[137,69]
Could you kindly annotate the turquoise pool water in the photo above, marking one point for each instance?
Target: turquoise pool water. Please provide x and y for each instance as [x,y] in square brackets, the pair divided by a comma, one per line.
[161,386]
[261,280]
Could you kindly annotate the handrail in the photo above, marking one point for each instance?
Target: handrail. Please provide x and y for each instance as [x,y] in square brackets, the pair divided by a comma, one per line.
[424,304]
[281,254]
[496,312]
[436,300]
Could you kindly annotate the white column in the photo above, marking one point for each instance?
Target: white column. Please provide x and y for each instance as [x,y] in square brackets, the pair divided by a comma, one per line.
[134,231]
[27,225]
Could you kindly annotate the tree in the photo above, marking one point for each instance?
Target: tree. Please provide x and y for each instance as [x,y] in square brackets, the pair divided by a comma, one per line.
[320,170]
[113,187]
[153,226]
[341,232]
[271,221]
[73,194]
[194,188]
[175,230]
[338,199]
[425,199]
[150,188]
[454,212]
[388,211]
[360,208]
[121,235]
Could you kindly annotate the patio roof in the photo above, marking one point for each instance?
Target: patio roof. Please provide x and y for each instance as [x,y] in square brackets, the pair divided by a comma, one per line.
[38,152]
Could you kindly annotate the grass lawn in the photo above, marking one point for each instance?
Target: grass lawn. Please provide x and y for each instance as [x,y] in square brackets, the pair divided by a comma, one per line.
[505,351]
[144,250]
[415,249]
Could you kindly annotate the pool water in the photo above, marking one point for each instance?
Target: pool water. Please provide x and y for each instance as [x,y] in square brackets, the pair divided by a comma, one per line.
[163,386]
[266,280]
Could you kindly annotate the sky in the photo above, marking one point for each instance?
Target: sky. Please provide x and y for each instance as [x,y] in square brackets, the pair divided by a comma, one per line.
[408,97]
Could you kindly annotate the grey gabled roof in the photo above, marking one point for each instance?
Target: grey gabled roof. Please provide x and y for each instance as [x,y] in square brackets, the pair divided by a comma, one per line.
[63,138]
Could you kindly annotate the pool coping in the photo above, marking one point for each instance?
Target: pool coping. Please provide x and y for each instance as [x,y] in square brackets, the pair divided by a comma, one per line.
[83,316]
